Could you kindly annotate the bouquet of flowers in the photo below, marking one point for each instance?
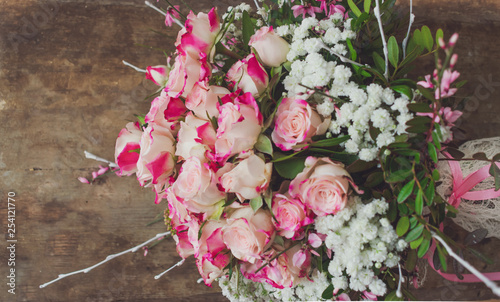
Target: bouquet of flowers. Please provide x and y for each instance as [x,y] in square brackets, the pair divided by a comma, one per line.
[295,156]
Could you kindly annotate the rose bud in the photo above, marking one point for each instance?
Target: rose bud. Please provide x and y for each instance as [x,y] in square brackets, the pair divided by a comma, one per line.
[271,48]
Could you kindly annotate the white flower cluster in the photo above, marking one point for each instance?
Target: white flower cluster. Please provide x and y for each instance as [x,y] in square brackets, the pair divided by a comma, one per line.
[309,66]
[374,105]
[233,30]
[360,238]
[305,290]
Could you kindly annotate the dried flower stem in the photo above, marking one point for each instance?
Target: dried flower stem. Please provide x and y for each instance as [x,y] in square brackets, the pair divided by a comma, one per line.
[171,268]
[95,157]
[163,13]
[384,42]
[108,258]
[134,67]
[412,19]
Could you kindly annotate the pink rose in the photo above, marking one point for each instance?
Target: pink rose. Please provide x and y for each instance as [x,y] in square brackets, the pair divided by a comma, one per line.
[249,76]
[177,211]
[249,178]
[271,48]
[156,162]
[296,123]
[127,148]
[203,100]
[291,215]
[248,234]
[196,137]
[183,245]
[158,74]
[198,35]
[239,126]
[211,240]
[323,186]
[274,272]
[188,69]
[212,266]
[166,112]
[196,185]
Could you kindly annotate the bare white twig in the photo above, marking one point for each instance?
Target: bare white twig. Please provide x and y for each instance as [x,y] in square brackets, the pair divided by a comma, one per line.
[108,258]
[163,13]
[134,67]
[95,157]
[170,268]
[384,42]
[256,4]
[412,19]
[488,282]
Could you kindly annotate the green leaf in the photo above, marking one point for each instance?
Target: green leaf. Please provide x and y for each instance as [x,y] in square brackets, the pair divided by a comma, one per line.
[419,120]
[402,226]
[406,191]
[430,193]
[330,142]
[424,247]
[379,62]
[367,5]
[247,28]
[475,237]
[278,157]
[495,172]
[374,179]
[264,144]
[269,200]
[393,297]
[439,34]
[455,153]
[417,37]
[290,168]
[435,175]
[419,203]
[432,152]
[427,93]
[403,89]
[427,38]
[393,48]
[360,165]
[411,260]
[328,293]
[415,233]
[416,243]
[417,129]
[398,176]
[442,257]
[353,53]
[256,203]
[480,256]
[420,107]
[354,8]
[279,240]
[435,140]
[480,156]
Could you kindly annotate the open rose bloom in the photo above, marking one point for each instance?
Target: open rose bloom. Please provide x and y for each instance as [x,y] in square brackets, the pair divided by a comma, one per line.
[278,153]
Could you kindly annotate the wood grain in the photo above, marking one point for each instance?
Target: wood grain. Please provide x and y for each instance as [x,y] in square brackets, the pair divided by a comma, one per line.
[64,90]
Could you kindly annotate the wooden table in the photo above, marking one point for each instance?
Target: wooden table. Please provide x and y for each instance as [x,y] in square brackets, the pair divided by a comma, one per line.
[64,90]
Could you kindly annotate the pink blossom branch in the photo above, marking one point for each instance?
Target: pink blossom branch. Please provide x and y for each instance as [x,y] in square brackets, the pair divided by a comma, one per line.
[108,258]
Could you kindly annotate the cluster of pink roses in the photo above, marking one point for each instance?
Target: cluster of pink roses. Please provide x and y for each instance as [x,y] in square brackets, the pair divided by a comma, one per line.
[196,150]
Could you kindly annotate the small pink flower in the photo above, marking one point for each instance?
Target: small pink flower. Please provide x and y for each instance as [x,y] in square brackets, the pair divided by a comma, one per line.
[172,12]
[337,9]
[158,74]
[343,297]
[369,296]
[315,240]
[83,180]
[448,78]
[427,83]
[307,9]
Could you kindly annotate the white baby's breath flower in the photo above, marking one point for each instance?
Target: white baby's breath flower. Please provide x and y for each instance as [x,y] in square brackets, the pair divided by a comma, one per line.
[326,108]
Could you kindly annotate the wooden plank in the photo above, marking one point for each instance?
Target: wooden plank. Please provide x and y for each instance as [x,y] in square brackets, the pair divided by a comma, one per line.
[64,90]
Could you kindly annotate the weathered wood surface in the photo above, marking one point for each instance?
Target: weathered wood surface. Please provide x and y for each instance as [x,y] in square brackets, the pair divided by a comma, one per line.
[64,90]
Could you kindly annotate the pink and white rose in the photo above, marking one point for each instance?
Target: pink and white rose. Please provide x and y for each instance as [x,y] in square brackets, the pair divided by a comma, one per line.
[212,266]
[196,186]
[204,100]
[156,159]
[249,75]
[127,148]
[291,215]
[166,111]
[248,234]
[249,178]
[239,126]
[198,35]
[296,122]
[196,137]
[323,186]
[188,69]
[271,48]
